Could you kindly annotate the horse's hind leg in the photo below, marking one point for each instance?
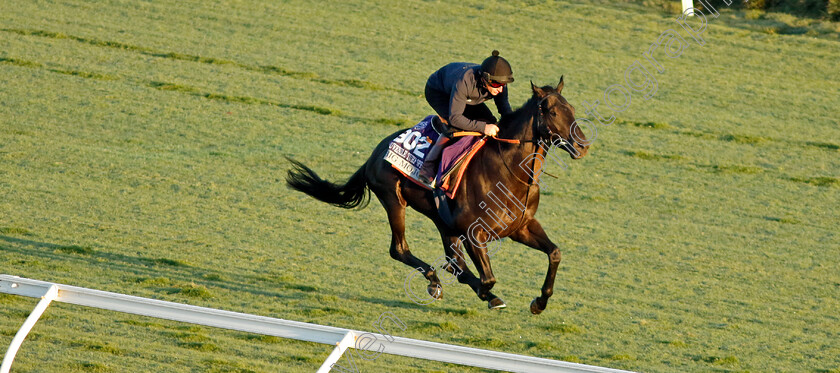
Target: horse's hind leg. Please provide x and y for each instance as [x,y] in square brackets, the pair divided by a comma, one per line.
[534,236]
[399,247]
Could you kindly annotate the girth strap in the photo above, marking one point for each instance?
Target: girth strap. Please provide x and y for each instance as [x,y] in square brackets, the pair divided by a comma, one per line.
[442,204]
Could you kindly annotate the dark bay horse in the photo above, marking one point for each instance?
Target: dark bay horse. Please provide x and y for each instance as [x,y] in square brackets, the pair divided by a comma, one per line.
[498,197]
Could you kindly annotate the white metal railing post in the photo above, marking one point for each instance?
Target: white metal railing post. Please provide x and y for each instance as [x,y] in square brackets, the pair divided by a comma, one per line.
[42,305]
[348,341]
[686,5]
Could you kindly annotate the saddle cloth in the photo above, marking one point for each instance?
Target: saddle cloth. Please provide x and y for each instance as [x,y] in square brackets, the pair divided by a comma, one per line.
[407,152]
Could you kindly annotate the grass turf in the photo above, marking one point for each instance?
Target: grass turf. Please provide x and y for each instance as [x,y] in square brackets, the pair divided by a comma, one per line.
[142,151]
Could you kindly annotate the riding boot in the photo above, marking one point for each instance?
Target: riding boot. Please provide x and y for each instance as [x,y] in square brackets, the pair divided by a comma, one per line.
[428,171]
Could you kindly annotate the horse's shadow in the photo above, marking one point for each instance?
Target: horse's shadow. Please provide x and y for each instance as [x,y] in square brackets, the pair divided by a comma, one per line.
[415,306]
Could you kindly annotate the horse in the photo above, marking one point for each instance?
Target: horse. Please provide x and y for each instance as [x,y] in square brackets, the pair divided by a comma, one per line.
[514,169]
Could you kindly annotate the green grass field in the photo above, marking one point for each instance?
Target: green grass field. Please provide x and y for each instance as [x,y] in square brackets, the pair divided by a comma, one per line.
[142,149]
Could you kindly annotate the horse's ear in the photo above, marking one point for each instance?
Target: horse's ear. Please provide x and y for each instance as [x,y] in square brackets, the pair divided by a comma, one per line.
[537,90]
[560,85]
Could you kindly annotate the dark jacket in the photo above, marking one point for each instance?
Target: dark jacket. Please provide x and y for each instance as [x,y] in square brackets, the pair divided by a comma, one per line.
[460,84]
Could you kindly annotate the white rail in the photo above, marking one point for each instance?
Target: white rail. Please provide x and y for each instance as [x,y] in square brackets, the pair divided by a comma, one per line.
[341,338]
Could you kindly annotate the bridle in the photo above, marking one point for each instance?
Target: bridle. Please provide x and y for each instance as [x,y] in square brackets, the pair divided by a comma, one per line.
[540,132]
[541,126]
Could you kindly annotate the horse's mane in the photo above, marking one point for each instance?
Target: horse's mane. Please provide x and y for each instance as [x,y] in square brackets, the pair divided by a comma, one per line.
[520,115]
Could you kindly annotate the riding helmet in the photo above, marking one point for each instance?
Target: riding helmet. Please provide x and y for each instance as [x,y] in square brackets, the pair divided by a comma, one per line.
[496,68]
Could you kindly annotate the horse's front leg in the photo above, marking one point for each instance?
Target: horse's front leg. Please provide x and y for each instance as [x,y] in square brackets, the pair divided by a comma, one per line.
[533,235]
[479,257]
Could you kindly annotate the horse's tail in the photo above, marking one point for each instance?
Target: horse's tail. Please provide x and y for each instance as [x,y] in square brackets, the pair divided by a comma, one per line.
[353,193]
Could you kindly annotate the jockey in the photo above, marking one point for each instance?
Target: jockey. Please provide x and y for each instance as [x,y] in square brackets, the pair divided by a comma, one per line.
[457,93]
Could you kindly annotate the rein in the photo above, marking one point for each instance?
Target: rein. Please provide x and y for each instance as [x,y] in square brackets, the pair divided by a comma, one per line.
[470,133]
[538,124]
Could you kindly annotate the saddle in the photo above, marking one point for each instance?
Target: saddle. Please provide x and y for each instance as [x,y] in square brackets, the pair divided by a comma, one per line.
[455,159]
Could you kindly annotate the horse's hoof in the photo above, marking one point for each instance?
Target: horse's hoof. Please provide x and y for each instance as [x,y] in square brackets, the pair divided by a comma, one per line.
[496,303]
[435,291]
[535,308]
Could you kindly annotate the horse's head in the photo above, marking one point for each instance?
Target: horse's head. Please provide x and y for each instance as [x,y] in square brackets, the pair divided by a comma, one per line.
[556,121]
